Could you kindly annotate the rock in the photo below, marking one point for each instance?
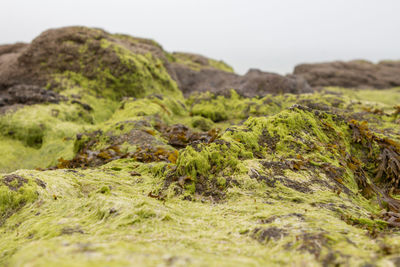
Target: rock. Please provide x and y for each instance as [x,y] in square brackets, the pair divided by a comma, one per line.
[94,58]
[259,83]
[253,83]
[352,74]
[129,66]
[29,94]
[195,73]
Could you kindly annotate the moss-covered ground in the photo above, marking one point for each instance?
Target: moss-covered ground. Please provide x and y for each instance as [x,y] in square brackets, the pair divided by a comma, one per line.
[128,172]
[275,186]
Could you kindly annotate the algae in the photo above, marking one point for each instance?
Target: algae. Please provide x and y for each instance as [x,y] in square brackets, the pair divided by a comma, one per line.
[197,62]
[281,181]
[129,172]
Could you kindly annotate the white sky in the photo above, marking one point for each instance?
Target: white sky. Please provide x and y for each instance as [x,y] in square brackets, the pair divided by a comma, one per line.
[273,35]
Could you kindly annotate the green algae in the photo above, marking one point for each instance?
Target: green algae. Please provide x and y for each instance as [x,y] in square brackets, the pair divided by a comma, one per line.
[197,63]
[201,123]
[15,192]
[39,135]
[234,107]
[386,98]
[283,182]
[83,222]
[147,74]
[220,65]
[124,69]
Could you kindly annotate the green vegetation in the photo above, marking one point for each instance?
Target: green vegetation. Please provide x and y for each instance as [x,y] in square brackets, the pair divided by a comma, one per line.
[197,62]
[126,171]
[280,182]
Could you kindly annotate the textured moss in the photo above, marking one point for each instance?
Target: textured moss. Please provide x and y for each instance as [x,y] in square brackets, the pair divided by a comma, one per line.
[147,74]
[37,136]
[283,181]
[220,65]
[197,62]
[121,227]
[201,123]
[234,107]
[14,194]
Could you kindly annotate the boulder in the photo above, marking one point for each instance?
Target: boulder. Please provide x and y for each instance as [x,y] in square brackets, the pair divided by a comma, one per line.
[128,66]
[254,83]
[90,58]
[356,73]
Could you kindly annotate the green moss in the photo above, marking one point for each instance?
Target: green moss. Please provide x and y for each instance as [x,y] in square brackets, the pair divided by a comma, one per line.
[42,134]
[215,113]
[197,62]
[190,188]
[14,196]
[220,65]
[278,186]
[71,227]
[370,224]
[201,123]
[38,137]
[386,98]
[235,107]
[105,190]
[221,181]
[137,40]
[147,74]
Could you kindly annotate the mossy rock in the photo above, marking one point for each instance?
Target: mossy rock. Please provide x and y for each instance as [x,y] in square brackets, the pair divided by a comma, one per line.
[198,62]
[129,172]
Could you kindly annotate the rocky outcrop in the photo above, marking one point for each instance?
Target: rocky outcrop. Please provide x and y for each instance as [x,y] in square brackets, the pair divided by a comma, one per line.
[253,83]
[352,74]
[196,73]
[130,66]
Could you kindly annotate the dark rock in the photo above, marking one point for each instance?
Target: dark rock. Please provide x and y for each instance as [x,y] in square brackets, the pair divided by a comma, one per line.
[179,136]
[357,73]
[40,183]
[253,83]
[266,234]
[28,94]
[14,181]
[84,105]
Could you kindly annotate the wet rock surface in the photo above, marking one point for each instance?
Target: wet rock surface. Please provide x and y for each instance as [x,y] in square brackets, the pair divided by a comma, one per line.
[351,74]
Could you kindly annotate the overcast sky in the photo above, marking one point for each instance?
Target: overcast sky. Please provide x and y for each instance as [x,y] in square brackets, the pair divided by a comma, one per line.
[273,35]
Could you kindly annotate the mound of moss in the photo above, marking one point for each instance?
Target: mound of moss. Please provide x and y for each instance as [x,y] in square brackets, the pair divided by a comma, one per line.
[124,170]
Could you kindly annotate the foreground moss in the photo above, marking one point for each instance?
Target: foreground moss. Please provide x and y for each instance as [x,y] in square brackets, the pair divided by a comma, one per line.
[75,222]
[272,190]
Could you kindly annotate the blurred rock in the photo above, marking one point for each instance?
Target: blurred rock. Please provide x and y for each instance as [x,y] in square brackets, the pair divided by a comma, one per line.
[357,73]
